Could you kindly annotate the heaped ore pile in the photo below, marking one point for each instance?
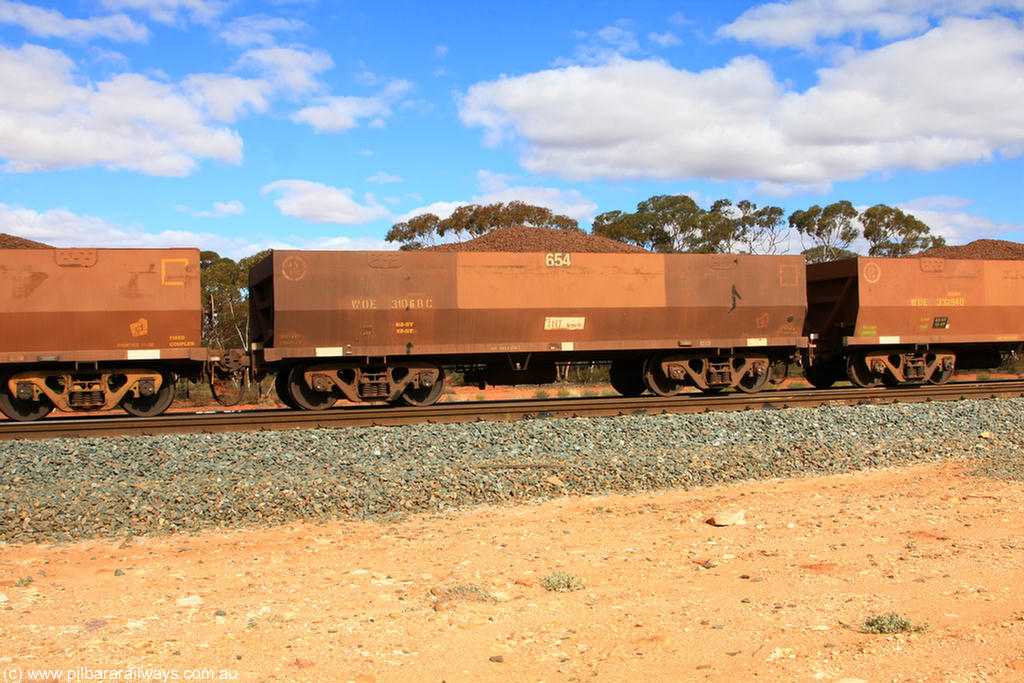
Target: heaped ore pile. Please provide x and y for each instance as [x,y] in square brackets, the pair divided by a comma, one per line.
[15,242]
[980,249]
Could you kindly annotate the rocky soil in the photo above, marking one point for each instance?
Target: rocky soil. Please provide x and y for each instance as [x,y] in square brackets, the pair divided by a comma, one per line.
[67,489]
[660,594]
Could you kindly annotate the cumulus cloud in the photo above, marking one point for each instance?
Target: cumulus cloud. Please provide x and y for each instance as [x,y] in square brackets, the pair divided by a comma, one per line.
[802,23]
[49,23]
[173,11]
[319,203]
[63,228]
[607,43]
[288,69]
[951,217]
[496,187]
[440,209]
[52,121]
[259,29]
[225,98]
[913,104]
[340,113]
[222,209]
[384,177]
[500,188]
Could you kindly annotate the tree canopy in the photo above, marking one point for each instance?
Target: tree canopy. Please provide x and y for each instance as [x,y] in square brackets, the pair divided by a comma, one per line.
[890,232]
[224,284]
[675,223]
[473,220]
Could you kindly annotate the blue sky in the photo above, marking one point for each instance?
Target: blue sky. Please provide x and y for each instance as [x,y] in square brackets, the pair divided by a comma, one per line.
[237,126]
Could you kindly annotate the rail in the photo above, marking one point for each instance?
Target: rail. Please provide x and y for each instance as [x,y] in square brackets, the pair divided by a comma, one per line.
[358,415]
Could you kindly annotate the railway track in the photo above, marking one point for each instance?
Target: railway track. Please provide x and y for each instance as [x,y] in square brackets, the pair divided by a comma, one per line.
[354,415]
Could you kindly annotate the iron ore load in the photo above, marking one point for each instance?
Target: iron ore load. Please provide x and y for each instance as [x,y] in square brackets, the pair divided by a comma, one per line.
[89,329]
[96,329]
[373,326]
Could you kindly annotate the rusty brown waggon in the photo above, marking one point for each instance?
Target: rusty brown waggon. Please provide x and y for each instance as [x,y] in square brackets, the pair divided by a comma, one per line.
[384,325]
[888,320]
[92,329]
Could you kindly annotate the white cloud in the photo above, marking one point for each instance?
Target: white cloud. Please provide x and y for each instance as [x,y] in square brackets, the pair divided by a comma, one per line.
[950,218]
[51,23]
[321,203]
[224,98]
[440,209]
[605,44]
[259,29]
[349,244]
[384,177]
[802,23]
[340,113]
[49,121]
[498,188]
[222,209]
[917,104]
[666,39]
[173,11]
[288,69]
[62,228]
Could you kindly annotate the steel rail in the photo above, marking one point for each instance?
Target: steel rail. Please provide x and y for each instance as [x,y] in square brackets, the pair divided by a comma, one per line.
[208,421]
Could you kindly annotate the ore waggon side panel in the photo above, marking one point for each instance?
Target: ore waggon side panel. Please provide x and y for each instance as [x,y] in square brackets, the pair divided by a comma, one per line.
[376,304]
[911,319]
[871,301]
[99,304]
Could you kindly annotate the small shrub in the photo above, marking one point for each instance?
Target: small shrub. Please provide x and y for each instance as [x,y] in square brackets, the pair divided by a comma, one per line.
[564,393]
[589,393]
[541,393]
[561,582]
[891,623]
[21,583]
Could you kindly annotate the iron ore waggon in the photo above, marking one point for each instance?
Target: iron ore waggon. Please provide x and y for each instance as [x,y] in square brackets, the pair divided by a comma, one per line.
[92,329]
[372,326]
[894,321]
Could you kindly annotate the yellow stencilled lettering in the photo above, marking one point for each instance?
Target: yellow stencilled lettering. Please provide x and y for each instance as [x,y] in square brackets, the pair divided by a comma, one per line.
[176,337]
[405,327]
[411,303]
[951,301]
[922,301]
[558,260]
[364,304]
[177,343]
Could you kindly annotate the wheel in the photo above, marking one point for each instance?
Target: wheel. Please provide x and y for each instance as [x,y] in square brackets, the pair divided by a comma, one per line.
[424,396]
[627,377]
[657,382]
[21,410]
[941,376]
[151,406]
[282,389]
[858,372]
[821,376]
[305,396]
[753,383]
[229,388]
